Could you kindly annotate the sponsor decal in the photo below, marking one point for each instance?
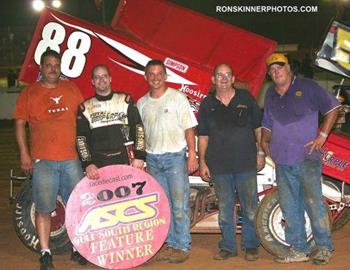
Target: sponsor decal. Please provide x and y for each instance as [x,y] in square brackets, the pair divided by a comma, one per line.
[188,91]
[108,117]
[120,220]
[140,144]
[82,148]
[29,236]
[176,65]
[193,96]
[329,159]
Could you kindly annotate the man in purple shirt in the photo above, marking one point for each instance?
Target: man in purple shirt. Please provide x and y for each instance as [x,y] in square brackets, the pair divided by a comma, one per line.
[291,138]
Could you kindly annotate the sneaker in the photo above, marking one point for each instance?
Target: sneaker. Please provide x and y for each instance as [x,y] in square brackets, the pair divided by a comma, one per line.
[292,256]
[322,256]
[76,257]
[178,256]
[224,255]
[251,254]
[164,253]
[46,261]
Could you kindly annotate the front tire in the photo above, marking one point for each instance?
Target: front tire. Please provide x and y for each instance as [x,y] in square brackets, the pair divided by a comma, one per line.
[24,222]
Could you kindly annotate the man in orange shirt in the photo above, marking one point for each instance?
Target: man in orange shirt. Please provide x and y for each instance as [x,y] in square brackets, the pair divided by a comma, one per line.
[50,107]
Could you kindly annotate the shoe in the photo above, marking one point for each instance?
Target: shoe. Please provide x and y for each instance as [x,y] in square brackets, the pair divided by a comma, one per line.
[322,256]
[178,256]
[224,255]
[76,257]
[292,256]
[164,253]
[251,254]
[46,262]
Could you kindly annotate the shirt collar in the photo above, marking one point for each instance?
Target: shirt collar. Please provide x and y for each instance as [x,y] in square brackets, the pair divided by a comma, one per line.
[104,98]
[289,87]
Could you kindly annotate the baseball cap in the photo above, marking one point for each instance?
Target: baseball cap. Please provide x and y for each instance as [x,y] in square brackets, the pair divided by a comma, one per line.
[276,58]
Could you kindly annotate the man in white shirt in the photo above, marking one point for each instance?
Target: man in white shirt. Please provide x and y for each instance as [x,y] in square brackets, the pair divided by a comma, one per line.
[169,121]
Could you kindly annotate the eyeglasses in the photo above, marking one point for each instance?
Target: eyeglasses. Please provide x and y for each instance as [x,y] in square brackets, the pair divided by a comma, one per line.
[221,76]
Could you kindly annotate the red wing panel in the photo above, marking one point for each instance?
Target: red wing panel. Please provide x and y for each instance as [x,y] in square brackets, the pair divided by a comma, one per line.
[83,45]
[196,38]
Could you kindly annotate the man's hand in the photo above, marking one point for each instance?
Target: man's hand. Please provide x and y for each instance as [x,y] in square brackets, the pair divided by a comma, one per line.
[192,162]
[316,143]
[26,163]
[92,172]
[204,171]
[260,162]
[137,163]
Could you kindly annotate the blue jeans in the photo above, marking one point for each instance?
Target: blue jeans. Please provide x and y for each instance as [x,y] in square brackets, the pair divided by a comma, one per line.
[226,188]
[53,177]
[170,170]
[299,189]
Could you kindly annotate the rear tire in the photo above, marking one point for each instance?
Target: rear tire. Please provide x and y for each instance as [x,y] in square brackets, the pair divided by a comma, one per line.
[342,217]
[270,226]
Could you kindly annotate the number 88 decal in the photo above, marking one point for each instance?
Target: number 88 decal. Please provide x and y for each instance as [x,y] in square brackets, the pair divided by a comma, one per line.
[73,58]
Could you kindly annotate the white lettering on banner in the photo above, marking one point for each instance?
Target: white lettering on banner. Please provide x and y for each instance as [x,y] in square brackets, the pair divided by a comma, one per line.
[73,58]
[187,90]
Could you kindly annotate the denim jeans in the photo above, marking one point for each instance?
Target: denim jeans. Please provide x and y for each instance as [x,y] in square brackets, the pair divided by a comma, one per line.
[227,186]
[299,189]
[170,170]
[53,177]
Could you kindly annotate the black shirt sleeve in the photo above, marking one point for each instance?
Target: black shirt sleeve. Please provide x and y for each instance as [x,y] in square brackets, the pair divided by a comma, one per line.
[203,129]
[256,112]
[137,132]
[83,138]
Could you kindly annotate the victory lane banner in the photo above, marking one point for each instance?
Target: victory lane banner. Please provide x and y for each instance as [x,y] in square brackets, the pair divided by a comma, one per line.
[120,220]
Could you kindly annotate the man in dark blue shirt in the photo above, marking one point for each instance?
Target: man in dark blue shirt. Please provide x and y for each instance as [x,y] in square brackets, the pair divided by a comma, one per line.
[229,155]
